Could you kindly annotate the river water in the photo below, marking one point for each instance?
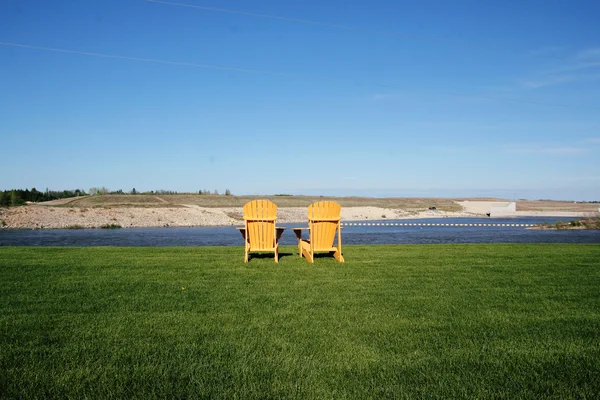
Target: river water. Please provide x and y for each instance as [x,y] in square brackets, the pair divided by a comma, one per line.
[351,234]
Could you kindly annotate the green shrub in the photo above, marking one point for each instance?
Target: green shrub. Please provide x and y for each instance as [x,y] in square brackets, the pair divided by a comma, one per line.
[110,226]
[592,223]
[76,226]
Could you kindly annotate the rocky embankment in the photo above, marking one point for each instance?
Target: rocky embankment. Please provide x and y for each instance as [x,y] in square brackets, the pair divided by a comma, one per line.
[60,216]
[48,217]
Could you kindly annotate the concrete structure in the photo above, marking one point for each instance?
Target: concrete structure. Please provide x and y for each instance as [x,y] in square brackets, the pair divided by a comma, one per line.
[503,209]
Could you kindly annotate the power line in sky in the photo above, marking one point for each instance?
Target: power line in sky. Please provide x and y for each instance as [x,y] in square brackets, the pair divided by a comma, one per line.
[263,72]
[341,26]
[150,60]
[250,14]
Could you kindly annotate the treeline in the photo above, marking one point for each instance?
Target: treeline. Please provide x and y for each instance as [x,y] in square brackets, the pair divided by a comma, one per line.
[104,190]
[205,191]
[17,197]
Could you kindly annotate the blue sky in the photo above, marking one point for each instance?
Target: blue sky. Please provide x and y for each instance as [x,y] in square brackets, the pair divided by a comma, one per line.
[383,98]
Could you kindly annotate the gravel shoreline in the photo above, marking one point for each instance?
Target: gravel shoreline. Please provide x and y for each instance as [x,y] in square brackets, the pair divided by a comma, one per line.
[47,217]
[44,217]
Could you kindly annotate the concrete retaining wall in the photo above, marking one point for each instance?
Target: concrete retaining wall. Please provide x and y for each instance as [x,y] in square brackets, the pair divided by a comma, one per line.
[506,209]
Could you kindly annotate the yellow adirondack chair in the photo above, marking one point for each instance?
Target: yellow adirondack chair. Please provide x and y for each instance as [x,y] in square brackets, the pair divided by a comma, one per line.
[323,222]
[260,232]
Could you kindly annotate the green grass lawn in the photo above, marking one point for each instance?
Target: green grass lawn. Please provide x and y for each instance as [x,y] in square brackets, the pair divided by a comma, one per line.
[399,321]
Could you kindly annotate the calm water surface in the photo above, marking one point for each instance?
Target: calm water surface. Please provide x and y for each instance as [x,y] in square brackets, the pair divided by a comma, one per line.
[229,236]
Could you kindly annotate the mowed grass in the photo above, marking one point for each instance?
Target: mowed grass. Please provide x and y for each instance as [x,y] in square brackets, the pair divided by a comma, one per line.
[399,321]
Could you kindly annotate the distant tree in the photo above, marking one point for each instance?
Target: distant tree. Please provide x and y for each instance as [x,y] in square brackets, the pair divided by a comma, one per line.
[133,191]
[20,196]
[162,191]
[216,191]
[227,192]
[15,200]
[99,190]
[35,195]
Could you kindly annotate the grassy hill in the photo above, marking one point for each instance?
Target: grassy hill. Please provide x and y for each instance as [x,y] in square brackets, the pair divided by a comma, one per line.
[176,200]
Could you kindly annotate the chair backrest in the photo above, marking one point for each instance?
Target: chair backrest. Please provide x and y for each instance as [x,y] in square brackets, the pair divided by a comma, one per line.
[260,217]
[323,220]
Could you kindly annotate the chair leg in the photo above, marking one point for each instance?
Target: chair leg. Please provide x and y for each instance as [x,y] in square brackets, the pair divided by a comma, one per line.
[309,257]
[277,254]
[338,256]
[306,252]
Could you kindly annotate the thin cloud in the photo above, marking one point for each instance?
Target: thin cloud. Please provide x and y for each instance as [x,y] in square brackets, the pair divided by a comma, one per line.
[584,59]
[551,81]
[578,66]
[455,149]
[589,54]
[546,51]
[381,96]
[581,66]
[558,79]
[545,150]
[593,140]
[581,178]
